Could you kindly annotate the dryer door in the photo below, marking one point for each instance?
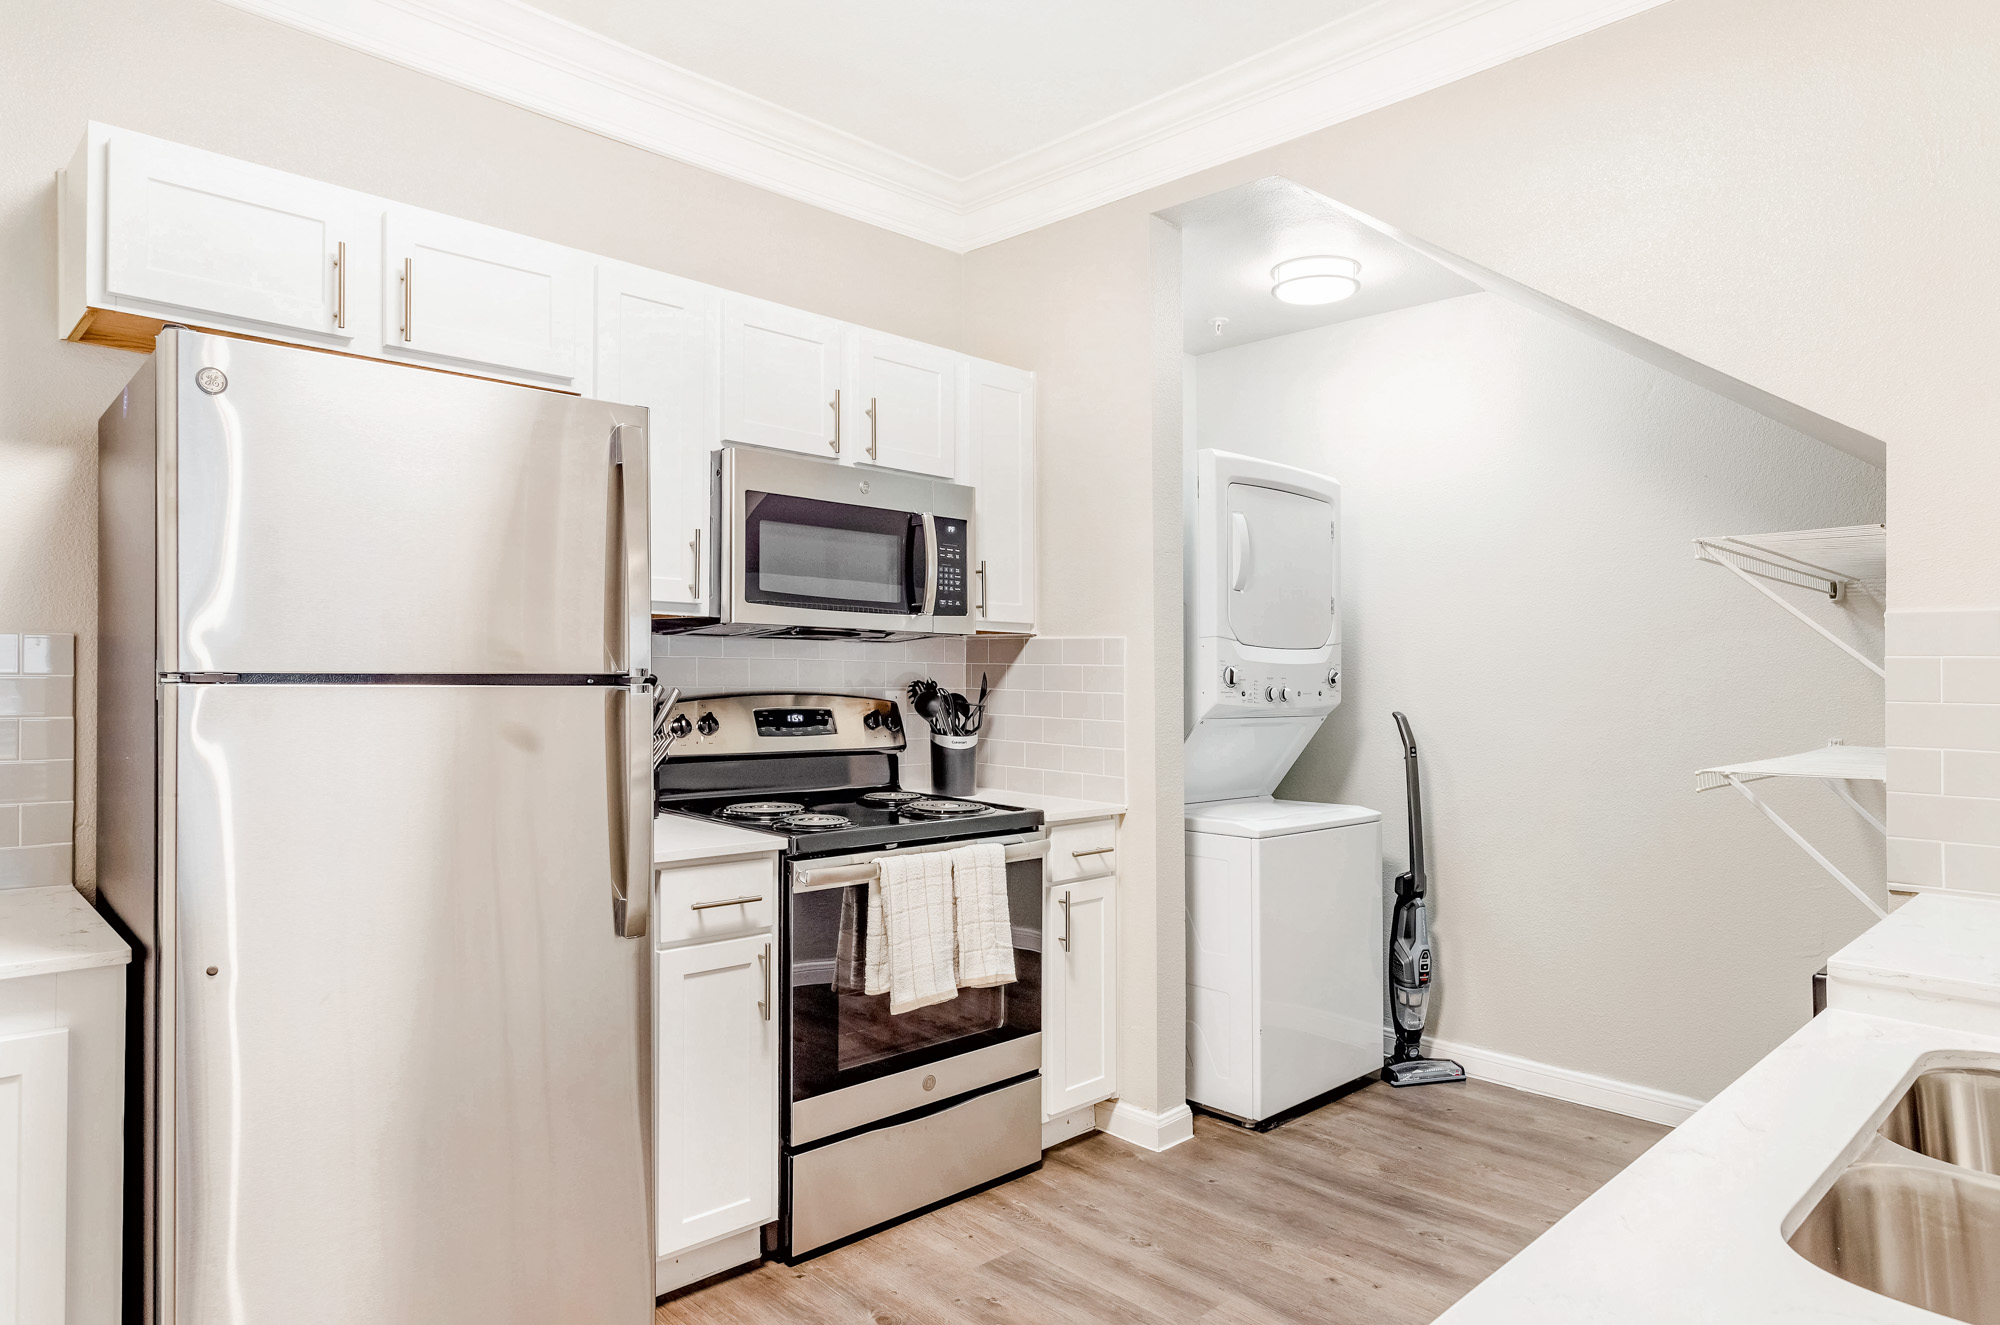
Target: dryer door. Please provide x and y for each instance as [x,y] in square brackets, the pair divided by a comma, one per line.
[1279,572]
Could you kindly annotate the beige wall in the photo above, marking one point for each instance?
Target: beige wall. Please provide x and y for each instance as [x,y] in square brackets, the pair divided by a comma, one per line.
[1799,193]
[201,73]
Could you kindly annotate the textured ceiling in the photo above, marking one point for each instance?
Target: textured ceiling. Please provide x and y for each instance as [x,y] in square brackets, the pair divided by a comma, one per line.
[959,85]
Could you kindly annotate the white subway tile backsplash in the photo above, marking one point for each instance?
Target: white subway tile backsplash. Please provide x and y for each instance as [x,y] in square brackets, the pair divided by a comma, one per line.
[1916,770]
[1045,703]
[1063,784]
[1916,861]
[1947,633]
[1062,677]
[1971,680]
[1960,773]
[1062,731]
[37,746]
[1080,651]
[1972,868]
[1114,650]
[1945,818]
[1944,726]
[1045,756]
[1916,680]
[1082,759]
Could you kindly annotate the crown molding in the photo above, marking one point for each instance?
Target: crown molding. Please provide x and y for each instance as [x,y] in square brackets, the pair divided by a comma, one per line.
[513,52]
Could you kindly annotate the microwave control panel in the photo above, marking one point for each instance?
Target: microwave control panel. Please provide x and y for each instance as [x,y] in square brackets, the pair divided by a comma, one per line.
[951,557]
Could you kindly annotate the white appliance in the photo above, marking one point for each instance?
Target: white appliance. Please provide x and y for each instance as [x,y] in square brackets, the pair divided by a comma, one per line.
[1285,939]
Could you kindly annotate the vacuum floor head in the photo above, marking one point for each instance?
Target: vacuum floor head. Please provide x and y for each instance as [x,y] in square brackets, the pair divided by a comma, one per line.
[1422,1072]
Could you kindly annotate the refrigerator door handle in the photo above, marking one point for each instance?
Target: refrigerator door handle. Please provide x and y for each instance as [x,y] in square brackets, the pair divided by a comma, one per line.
[632,867]
[633,642]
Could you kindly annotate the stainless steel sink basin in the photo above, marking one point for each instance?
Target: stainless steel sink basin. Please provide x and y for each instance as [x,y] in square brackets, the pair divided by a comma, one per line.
[1952,1115]
[1922,1235]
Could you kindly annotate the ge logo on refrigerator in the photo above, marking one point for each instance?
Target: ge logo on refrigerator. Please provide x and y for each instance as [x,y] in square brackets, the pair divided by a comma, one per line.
[212,380]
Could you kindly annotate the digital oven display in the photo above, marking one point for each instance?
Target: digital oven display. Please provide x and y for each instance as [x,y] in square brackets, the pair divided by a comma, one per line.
[794,722]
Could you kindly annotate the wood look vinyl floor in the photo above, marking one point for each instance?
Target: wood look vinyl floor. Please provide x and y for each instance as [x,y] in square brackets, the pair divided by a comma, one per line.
[1383,1207]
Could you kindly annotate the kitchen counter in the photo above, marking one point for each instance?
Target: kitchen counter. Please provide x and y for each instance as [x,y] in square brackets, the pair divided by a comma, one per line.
[46,931]
[1055,809]
[1694,1229]
[680,838]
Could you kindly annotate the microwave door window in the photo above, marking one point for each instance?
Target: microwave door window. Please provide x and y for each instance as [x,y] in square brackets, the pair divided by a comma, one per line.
[799,552]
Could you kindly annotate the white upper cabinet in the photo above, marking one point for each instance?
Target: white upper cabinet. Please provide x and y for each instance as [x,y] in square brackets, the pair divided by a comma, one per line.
[781,378]
[999,461]
[468,294]
[659,344]
[906,398]
[218,241]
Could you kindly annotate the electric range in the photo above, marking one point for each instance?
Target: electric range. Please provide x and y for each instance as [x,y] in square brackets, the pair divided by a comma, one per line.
[883,1113]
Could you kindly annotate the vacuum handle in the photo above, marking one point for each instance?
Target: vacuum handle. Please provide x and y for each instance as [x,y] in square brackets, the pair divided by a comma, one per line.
[1418,883]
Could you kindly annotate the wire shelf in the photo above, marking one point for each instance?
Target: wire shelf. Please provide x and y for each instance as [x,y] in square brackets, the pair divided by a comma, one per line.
[1836,765]
[1834,562]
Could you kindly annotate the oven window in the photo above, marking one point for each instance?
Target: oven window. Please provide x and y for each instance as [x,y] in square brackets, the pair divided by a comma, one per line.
[800,552]
[842,1036]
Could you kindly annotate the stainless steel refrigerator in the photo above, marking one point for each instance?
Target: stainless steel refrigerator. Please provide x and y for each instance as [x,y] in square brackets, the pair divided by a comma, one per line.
[376,811]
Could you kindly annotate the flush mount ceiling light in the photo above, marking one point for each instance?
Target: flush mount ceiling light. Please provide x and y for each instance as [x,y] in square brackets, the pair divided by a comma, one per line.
[1318,280]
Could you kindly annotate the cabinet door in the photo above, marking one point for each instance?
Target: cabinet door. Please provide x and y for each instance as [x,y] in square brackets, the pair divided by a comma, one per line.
[999,461]
[658,344]
[34,1146]
[906,397]
[232,243]
[781,375]
[1079,970]
[716,1089]
[469,294]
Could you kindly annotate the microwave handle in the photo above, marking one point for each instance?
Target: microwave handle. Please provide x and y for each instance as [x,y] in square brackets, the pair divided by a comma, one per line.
[930,564]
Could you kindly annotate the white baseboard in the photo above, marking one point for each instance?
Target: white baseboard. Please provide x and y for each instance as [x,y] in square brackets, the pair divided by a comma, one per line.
[1144,1128]
[1075,1123]
[1565,1083]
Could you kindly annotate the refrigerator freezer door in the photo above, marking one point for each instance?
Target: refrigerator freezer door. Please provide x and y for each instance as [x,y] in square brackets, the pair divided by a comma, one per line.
[335,515]
[411,1048]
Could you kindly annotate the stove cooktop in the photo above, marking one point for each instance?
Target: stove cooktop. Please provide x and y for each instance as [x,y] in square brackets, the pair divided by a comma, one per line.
[856,818]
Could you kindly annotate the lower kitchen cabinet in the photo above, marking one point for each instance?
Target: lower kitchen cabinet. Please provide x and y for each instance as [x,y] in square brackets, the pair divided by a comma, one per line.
[1079,998]
[716,1103]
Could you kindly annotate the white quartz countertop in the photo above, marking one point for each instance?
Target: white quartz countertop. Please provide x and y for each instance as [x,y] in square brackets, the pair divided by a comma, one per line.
[1055,809]
[1694,1230]
[679,839]
[45,931]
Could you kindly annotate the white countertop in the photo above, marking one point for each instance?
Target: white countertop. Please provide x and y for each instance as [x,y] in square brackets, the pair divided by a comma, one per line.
[680,838]
[1055,809]
[45,931]
[1694,1229]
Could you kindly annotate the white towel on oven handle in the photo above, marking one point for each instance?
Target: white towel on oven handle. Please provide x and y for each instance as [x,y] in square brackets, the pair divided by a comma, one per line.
[912,904]
[985,929]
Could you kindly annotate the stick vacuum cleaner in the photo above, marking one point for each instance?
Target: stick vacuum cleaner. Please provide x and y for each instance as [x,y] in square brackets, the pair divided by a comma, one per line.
[1410,951]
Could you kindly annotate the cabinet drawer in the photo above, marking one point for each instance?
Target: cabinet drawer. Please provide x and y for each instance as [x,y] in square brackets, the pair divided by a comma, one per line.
[715,900]
[1083,850]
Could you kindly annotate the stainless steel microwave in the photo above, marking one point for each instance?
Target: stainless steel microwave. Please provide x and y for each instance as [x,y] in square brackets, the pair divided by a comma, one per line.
[809,547]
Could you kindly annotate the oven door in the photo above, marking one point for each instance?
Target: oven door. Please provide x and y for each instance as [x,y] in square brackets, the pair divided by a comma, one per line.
[809,543]
[852,1062]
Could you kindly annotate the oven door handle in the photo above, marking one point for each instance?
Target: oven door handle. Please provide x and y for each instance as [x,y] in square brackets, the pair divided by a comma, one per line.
[846,876]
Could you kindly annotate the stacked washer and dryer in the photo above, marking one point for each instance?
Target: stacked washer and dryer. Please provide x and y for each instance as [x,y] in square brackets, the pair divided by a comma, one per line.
[1285,936]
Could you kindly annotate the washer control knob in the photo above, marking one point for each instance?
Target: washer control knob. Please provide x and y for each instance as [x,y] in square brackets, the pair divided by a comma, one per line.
[1333,677]
[1284,694]
[707,725]
[1229,677]
[1270,694]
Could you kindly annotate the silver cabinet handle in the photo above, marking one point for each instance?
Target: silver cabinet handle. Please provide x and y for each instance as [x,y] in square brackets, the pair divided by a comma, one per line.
[340,285]
[1093,851]
[694,585]
[1064,901]
[406,300]
[873,429]
[835,407]
[727,901]
[764,967]
[982,588]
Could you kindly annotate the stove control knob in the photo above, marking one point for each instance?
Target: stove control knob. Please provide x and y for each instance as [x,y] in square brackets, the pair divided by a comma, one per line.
[1229,677]
[680,726]
[895,718]
[873,720]
[707,725]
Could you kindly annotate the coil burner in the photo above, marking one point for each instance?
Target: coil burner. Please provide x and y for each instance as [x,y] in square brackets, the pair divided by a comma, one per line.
[890,797]
[931,808]
[761,809]
[814,823]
